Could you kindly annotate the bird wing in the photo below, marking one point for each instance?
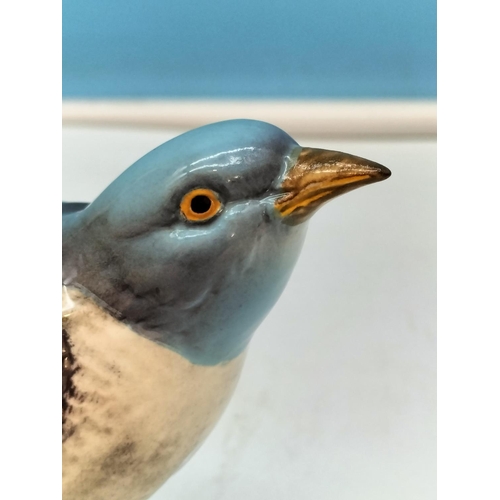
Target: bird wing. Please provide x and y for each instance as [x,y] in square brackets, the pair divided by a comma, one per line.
[71,207]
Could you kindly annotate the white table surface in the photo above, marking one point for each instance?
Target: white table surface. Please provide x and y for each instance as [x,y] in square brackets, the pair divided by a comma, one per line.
[338,396]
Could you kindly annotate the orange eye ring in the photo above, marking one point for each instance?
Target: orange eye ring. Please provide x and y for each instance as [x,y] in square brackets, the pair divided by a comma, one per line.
[200,205]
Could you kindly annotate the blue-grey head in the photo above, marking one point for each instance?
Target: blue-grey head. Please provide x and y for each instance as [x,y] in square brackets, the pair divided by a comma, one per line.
[193,244]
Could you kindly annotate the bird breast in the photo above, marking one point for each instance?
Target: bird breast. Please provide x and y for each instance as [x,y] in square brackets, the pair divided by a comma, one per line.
[136,410]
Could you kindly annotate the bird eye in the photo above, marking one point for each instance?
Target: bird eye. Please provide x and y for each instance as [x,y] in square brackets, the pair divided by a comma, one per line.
[200,205]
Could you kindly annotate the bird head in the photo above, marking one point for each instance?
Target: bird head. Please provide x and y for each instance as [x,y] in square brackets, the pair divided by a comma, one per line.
[193,244]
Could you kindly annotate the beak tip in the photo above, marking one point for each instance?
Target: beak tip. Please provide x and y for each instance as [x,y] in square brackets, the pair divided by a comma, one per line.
[384,172]
[377,171]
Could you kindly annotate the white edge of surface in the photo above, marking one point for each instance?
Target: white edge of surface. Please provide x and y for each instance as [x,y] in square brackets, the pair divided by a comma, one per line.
[327,118]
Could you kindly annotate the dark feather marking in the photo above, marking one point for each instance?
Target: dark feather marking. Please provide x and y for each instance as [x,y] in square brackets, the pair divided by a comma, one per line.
[69,368]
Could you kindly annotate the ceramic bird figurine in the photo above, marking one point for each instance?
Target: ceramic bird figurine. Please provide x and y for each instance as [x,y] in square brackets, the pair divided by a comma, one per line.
[166,276]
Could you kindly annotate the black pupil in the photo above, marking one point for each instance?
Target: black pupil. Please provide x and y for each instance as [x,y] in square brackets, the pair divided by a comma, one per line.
[201,204]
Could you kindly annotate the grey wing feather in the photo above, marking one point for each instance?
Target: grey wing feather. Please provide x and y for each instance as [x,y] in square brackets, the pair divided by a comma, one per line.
[71,207]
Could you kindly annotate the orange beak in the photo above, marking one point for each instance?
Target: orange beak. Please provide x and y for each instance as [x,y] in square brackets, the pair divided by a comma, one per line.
[320,175]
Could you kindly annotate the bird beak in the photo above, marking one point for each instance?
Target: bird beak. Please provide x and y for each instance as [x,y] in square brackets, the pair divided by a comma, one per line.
[319,175]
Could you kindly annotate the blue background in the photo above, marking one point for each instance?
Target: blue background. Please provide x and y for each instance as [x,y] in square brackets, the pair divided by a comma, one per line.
[257,48]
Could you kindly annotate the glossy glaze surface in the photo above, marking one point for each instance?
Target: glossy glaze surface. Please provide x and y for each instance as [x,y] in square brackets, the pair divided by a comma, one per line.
[167,274]
[198,288]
